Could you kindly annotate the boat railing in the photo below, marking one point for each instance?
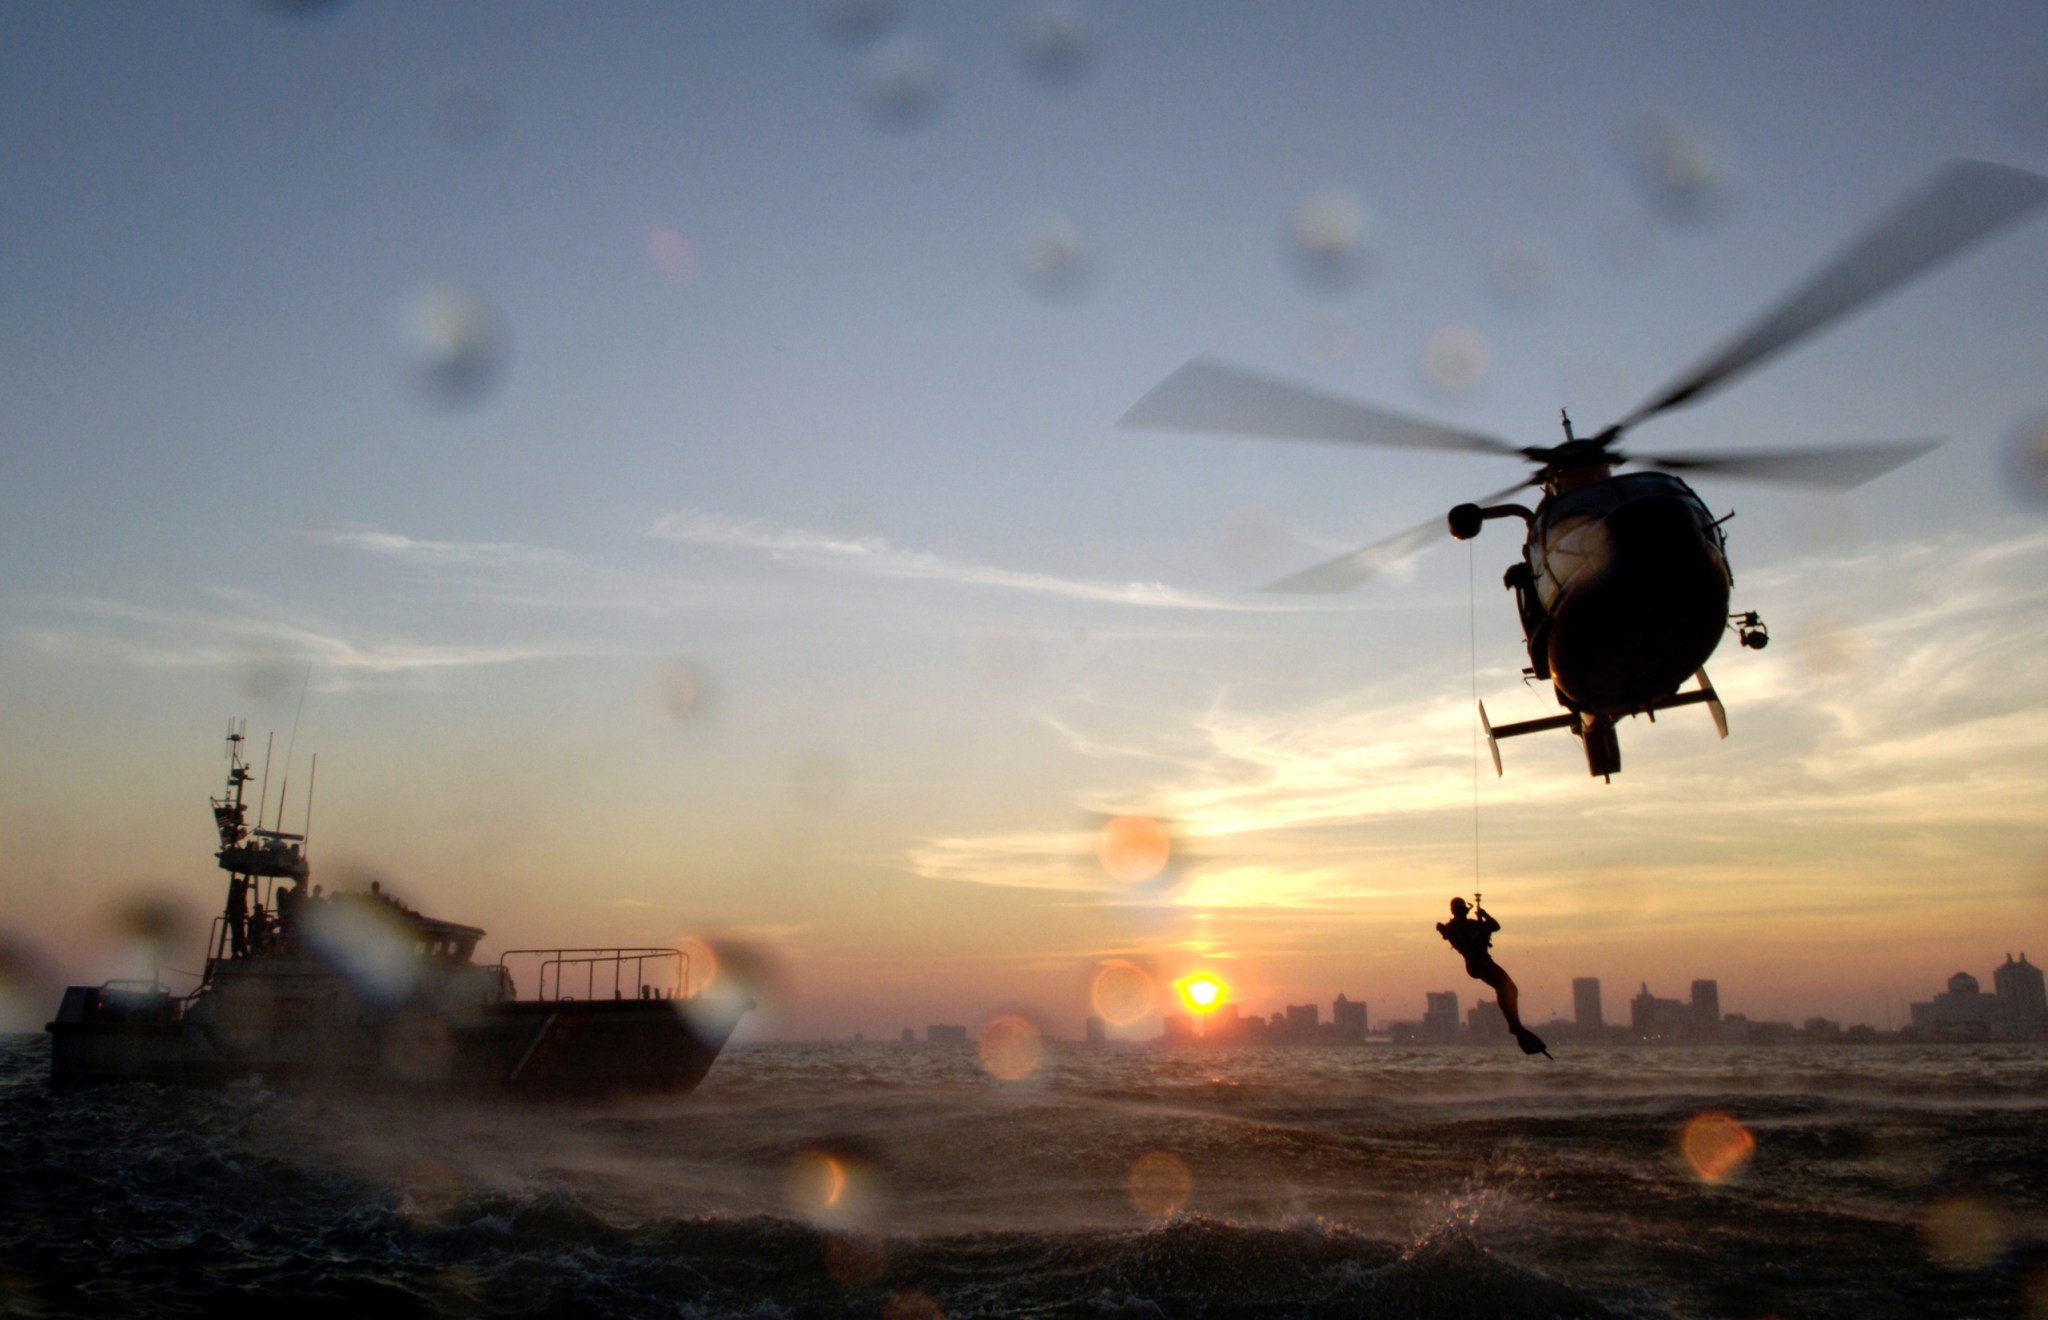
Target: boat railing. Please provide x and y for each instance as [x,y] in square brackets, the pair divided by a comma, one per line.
[648,973]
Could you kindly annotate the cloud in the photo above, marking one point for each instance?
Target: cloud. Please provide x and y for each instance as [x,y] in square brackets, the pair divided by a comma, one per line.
[255,633]
[874,556]
[1925,755]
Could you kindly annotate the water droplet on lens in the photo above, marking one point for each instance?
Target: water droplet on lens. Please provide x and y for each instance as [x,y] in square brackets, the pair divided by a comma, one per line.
[1518,272]
[672,254]
[855,1259]
[1011,1048]
[1009,658]
[2023,463]
[1134,848]
[1054,45]
[1255,535]
[300,9]
[901,87]
[1052,258]
[681,692]
[1327,238]
[1677,175]
[468,113]
[911,1304]
[1121,992]
[1327,337]
[2025,113]
[1964,1232]
[269,677]
[1159,1183]
[1455,357]
[454,345]
[819,781]
[856,22]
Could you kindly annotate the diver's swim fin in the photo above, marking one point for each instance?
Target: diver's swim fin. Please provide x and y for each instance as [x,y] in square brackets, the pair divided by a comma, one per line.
[1531,1043]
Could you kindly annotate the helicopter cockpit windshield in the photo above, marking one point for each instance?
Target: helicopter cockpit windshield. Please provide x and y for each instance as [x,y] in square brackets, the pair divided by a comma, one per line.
[1575,532]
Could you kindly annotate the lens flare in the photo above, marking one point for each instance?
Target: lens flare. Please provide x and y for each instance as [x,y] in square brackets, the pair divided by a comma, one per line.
[1121,993]
[815,1184]
[1964,1232]
[1203,992]
[1717,1147]
[834,1185]
[1011,1048]
[1159,1183]
[1134,848]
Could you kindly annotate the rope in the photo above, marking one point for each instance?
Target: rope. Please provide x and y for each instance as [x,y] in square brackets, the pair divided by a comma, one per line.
[1472,635]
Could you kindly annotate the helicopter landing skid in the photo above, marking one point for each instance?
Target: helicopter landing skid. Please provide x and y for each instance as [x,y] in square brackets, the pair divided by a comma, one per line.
[1603,749]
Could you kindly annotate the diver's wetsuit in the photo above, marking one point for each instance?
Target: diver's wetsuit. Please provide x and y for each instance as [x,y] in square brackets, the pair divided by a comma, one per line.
[1472,938]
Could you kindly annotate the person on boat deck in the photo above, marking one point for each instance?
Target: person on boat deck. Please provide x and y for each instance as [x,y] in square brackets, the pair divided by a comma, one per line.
[1472,937]
[238,916]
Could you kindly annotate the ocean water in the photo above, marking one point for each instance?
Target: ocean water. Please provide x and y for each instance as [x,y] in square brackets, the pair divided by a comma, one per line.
[905,1181]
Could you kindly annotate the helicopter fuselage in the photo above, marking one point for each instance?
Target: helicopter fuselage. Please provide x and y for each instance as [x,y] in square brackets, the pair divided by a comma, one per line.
[1622,589]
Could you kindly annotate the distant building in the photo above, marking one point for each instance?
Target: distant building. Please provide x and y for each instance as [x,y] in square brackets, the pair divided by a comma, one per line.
[1441,1018]
[945,1035]
[1820,1028]
[1586,1003]
[1177,1029]
[1486,1019]
[1962,1009]
[1348,1017]
[1655,1018]
[1303,1019]
[1223,1024]
[2020,989]
[909,1036]
[1098,1031]
[1706,1009]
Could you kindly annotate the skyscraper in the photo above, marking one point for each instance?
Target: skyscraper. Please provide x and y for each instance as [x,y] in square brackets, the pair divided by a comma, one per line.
[1706,1008]
[1442,1017]
[2020,990]
[1586,1003]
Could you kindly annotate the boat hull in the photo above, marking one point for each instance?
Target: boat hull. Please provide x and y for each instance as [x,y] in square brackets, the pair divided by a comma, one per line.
[567,1047]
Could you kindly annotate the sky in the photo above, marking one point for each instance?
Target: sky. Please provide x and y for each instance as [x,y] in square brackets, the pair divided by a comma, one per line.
[664,459]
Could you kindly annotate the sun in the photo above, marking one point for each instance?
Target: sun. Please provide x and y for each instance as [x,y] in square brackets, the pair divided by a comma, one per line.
[1203,992]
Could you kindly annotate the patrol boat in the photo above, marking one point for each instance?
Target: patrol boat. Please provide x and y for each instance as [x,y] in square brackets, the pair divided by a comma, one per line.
[357,989]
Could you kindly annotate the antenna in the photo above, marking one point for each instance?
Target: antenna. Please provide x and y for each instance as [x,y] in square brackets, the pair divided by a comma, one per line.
[291,743]
[269,741]
[312,779]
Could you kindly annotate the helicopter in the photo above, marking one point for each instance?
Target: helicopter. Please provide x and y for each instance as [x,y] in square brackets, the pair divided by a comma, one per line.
[1624,582]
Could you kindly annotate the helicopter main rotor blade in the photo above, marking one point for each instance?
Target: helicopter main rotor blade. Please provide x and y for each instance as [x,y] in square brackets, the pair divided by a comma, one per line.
[1347,571]
[1206,395]
[1840,468]
[1966,201]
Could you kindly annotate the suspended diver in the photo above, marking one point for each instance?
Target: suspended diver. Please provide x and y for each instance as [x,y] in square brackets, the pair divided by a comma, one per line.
[1471,937]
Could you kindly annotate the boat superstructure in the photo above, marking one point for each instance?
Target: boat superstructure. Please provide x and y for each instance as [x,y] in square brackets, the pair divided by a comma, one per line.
[305,987]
